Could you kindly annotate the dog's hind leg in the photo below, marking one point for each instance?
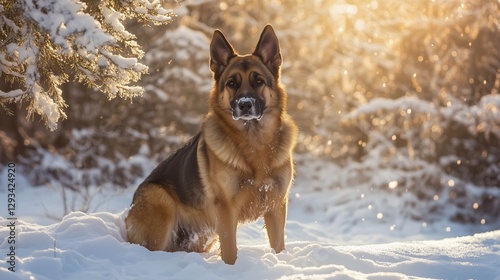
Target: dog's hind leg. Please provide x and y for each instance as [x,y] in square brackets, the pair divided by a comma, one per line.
[152,217]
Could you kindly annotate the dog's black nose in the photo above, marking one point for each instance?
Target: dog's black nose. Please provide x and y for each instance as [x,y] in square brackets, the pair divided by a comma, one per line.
[247,108]
[245,104]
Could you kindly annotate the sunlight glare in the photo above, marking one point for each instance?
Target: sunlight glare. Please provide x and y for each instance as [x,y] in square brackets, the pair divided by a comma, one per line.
[343,9]
[359,25]
[223,6]
[393,184]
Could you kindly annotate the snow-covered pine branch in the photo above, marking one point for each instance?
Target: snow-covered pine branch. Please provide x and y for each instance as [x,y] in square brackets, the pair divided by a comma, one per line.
[45,42]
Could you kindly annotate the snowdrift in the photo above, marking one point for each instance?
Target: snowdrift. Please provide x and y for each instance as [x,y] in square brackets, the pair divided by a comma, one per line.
[93,246]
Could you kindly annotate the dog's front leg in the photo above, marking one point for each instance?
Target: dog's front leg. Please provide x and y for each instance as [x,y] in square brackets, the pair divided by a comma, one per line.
[275,225]
[226,229]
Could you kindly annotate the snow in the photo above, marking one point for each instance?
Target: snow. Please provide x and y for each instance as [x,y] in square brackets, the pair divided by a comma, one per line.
[12,94]
[488,114]
[331,233]
[114,19]
[45,106]
[124,62]
[150,8]
[93,246]
[404,103]
[63,18]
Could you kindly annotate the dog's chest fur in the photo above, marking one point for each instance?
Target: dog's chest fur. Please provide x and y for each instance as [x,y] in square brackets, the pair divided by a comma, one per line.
[245,172]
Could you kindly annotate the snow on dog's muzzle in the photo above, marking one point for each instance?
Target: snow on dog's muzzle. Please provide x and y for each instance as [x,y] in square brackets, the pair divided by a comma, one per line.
[247,108]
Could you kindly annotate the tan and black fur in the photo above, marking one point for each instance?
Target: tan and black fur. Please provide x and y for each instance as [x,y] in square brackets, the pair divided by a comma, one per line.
[238,168]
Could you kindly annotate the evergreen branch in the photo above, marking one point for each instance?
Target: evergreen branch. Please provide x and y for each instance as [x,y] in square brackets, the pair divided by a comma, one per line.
[42,41]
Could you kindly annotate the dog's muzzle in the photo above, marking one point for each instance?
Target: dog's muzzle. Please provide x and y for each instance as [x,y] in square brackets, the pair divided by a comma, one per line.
[247,108]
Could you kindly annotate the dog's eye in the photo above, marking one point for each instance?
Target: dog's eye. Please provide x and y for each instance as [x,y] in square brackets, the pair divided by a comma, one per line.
[259,81]
[231,84]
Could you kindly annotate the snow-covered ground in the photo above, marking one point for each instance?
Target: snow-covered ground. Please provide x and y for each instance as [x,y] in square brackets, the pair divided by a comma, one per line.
[84,246]
[332,232]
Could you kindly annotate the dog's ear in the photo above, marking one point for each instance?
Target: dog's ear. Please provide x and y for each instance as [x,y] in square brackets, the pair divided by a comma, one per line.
[268,49]
[220,53]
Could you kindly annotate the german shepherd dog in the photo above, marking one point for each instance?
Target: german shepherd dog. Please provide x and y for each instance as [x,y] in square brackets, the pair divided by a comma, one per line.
[238,168]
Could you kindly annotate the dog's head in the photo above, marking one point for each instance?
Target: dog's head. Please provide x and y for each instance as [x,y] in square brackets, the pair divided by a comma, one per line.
[246,86]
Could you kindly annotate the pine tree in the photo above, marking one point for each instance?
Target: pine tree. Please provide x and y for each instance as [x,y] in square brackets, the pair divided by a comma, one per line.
[46,43]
